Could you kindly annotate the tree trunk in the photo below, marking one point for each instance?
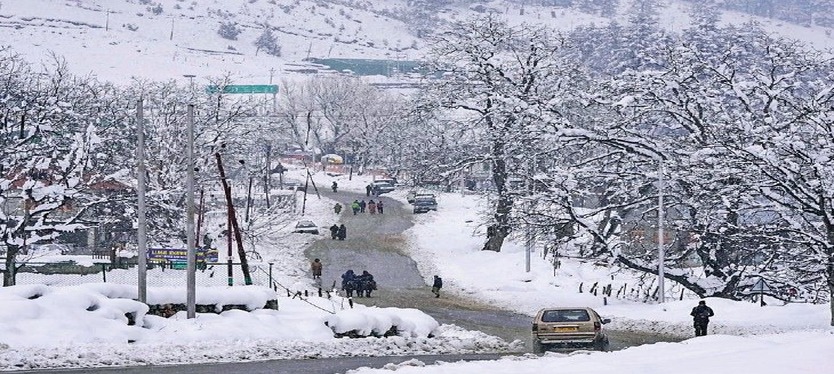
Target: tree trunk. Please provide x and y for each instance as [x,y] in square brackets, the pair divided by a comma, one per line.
[9,273]
[498,231]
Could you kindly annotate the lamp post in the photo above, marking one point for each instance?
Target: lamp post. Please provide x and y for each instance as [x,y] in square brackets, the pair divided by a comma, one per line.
[141,222]
[660,250]
[191,268]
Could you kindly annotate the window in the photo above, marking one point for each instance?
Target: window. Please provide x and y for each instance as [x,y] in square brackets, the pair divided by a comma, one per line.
[569,315]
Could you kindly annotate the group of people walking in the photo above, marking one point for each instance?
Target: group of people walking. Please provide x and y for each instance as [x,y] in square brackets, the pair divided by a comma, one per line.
[371,206]
[338,232]
[362,284]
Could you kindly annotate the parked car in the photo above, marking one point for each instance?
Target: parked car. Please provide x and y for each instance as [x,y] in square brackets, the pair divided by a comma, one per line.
[382,187]
[294,185]
[306,227]
[569,327]
[390,181]
[414,195]
[424,204]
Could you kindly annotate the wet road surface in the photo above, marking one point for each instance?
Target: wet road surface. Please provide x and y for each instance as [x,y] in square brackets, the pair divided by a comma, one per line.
[375,243]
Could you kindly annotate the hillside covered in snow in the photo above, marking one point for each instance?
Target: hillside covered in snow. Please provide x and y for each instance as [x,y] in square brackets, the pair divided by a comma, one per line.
[165,39]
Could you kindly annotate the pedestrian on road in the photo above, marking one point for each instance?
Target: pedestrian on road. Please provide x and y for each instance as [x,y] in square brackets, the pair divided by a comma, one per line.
[334,186]
[701,314]
[315,266]
[337,208]
[368,190]
[436,286]
[334,231]
[342,232]
[372,207]
[355,206]
[362,205]
[379,206]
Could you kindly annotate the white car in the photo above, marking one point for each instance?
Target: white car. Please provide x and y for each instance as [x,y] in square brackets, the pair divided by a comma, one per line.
[306,227]
[380,188]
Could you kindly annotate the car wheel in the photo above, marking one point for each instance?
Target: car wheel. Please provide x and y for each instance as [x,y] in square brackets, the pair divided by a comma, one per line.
[601,345]
[538,347]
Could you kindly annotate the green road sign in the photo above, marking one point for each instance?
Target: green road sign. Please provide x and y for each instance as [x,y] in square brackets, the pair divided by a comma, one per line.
[244,89]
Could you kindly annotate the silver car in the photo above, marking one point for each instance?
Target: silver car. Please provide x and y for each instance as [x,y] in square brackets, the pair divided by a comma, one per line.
[569,327]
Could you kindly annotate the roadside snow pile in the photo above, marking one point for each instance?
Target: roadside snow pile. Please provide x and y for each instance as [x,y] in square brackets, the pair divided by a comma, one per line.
[65,327]
[374,321]
[795,352]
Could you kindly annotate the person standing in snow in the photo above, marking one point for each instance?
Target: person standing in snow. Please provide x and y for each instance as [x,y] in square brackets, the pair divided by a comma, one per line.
[355,206]
[379,207]
[368,190]
[316,266]
[362,205]
[342,232]
[436,286]
[372,207]
[701,314]
[334,231]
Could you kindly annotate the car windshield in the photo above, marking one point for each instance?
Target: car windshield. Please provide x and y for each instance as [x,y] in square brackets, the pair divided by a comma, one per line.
[567,315]
[305,224]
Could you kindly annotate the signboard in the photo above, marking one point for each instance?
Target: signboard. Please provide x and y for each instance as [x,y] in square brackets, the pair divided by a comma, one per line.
[180,255]
[761,286]
[244,89]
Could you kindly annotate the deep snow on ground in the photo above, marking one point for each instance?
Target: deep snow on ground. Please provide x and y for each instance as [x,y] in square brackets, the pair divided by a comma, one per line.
[796,353]
[58,329]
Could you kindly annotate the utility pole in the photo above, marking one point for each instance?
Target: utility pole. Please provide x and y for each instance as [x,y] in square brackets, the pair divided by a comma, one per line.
[191,280]
[660,250]
[141,222]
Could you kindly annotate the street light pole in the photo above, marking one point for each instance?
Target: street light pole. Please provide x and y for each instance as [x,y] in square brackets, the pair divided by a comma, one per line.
[189,224]
[660,250]
[141,222]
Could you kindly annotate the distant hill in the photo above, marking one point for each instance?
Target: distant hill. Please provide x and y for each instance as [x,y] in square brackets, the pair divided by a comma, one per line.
[120,39]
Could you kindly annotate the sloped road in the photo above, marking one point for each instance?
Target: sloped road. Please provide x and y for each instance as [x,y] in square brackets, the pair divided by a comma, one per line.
[375,243]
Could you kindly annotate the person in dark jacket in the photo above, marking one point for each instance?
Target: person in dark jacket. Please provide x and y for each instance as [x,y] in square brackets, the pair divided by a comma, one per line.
[379,206]
[362,205]
[334,231]
[368,190]
[349,282]
[701,314]
[366,284]
[436,286]
[334,186]
[342,232]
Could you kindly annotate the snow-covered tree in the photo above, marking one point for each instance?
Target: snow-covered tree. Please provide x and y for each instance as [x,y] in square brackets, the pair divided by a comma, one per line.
[48,139]
[501,81]
[268,43]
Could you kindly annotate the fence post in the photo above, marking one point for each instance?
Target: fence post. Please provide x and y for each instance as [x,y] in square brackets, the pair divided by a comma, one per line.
[271,285]
[104,272]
